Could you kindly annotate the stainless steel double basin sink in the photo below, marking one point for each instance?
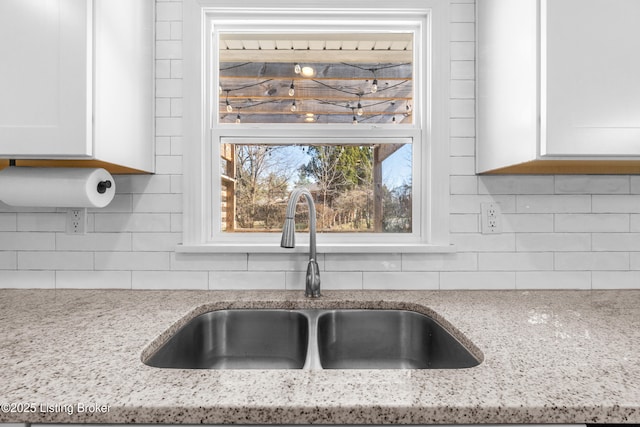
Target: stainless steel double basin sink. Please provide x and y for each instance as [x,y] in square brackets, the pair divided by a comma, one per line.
[312,339]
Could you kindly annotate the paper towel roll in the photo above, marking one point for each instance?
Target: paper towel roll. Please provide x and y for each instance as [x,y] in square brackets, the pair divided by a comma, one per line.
[56,187]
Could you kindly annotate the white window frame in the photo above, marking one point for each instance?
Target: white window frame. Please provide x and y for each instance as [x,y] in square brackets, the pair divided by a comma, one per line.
[205,19]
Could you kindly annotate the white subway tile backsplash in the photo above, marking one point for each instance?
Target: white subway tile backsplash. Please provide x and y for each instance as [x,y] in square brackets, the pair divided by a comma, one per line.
[591,184]
[282,262]
[553,242]
[163,69]
[616,203]
[462,108]
[463,184]
[195,280]
[564,231]
[459,261]
[463,70]
[463,12]
[463,89]
[168,126]
[132,222]
[634,183]
[462,51]
[477,280]
[593,223]
[235,280]
[615,279]
[8,261]
[176,68]
[41,221]
[462,166]
[207,262]
[464,223]
[168,165]
[26,279]
[401,280]
[156,242]
[589,261]
[553,280]
[27,241]
[362,262]
[157,203]
[55,260]
[8,222]
[93,279]
[463,32]
[515,184]
[142,261]
[527,223]
[169,11]
[142,184]
[97,242]
[462,147]
[515,261]
[553,204]
[473,242]
[168,88]
[330,280]
[615,242]
[169,49]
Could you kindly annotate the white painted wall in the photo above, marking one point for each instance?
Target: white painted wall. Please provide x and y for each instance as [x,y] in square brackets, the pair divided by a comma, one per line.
[579,232]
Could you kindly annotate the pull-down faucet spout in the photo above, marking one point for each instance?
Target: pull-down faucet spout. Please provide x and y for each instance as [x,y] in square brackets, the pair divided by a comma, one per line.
[312,282]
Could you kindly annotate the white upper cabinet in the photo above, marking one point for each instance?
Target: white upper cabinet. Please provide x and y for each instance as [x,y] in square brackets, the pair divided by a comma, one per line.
[76,81]
[558,84]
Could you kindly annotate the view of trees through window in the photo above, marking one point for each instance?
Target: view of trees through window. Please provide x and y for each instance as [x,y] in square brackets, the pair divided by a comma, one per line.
[356,188]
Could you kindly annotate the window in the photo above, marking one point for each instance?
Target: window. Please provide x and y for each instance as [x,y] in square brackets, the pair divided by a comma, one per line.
[347,102]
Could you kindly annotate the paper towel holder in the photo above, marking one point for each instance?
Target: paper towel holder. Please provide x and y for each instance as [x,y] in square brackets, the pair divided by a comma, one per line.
[103,185]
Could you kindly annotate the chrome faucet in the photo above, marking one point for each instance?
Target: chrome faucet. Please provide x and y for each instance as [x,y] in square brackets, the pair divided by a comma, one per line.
[312,282]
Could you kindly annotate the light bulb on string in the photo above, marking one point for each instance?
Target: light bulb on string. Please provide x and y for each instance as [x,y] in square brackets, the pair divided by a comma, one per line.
[297,69]
[229,107]
[294,107]
[354,121]
[292,89]
[359,111]
[238,119]
[394,121]
[374,86]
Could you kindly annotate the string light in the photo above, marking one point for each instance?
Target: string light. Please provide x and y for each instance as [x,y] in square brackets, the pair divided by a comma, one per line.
[359,111]
[394,121]
[229,107]
[355,120]
[238,119]
[294,107]
[292,90]
[297,69]
[374,86]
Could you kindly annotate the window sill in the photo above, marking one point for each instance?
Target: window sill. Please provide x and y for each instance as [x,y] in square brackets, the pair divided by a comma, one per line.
[328,249]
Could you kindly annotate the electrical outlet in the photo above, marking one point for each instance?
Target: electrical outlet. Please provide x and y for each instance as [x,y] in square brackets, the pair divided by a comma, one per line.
[491,218]
[77,221]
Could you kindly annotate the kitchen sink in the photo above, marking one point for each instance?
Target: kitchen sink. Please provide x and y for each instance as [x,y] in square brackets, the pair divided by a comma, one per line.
[237,339]
[387,339]
[312,339]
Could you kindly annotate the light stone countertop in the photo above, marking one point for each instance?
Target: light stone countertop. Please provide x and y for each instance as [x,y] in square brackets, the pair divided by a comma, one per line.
[549,357]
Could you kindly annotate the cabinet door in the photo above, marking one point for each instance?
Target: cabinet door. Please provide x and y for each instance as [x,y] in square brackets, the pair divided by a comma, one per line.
[590,84]
[44,78]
